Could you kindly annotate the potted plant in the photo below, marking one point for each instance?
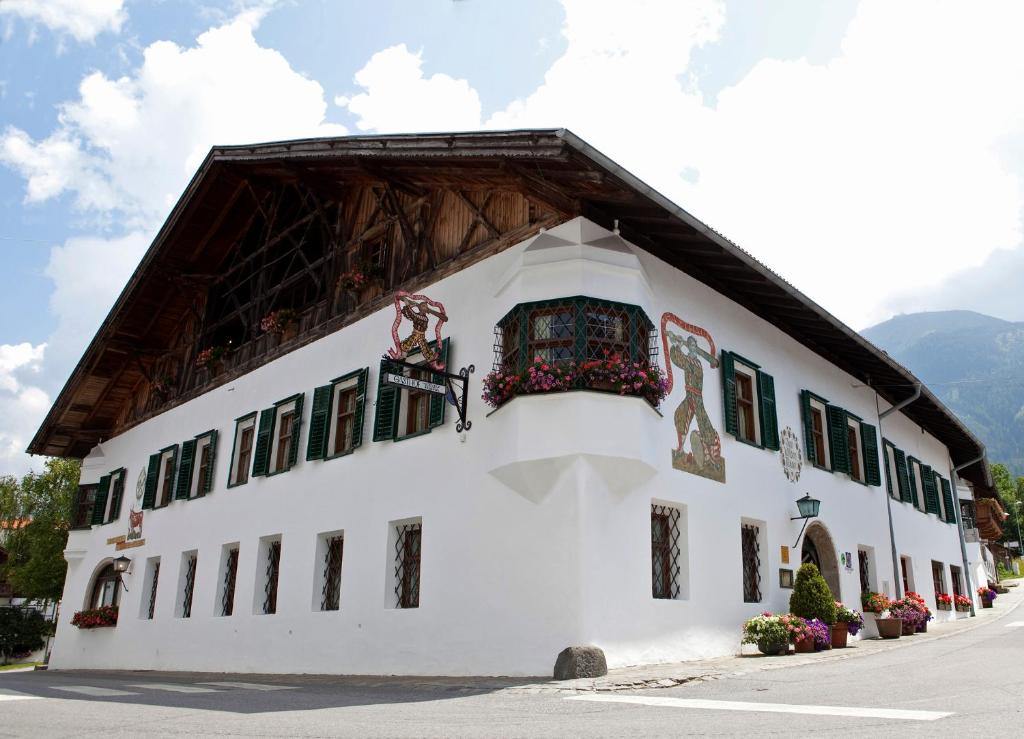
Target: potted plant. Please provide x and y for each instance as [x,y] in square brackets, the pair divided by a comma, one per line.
[772,634]
[877,603]
[961,603]
[987,595]
[212,359]
[95,618]
[943,601]
[848,623]
[802,635]
[910,614]
[811,597]
[283,322]
[821,634]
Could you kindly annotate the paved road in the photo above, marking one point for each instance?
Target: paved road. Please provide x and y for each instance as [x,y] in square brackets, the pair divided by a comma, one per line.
[969,684]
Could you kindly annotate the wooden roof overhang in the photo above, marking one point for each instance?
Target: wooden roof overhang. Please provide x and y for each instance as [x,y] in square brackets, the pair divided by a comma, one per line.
[554,167]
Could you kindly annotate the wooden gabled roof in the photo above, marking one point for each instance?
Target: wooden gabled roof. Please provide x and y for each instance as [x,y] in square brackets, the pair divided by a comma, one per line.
[551,167]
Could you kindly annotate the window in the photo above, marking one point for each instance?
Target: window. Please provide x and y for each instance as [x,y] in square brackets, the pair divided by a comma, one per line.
[106,506]
[270,571]
[864,569]
[575,329]
[81,516]
[751,552]
[405,412]
[195,467]
[105,590]
[665,555]
[938,577]
[187,583]
[152,578]
[749,396]
[336,420]
[955,576]
[407,538]
[277,438]
[891,477]
[241,458]
[968,515]
[228,580]
[333,548]
[914,470]
[947,500]
[160,478]
[838,440]
[907,574]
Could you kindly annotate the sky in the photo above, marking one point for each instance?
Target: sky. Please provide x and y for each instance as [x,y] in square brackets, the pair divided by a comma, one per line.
[870,152]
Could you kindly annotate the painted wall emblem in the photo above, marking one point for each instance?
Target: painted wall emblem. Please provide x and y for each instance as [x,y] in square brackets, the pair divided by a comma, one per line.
[790,454]
[698,445]
[418,309]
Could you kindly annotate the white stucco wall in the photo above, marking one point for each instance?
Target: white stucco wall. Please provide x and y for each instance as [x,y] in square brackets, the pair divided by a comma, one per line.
[536,523]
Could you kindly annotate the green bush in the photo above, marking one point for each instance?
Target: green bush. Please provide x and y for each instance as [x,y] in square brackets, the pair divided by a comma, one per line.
[811,597]
[21,632]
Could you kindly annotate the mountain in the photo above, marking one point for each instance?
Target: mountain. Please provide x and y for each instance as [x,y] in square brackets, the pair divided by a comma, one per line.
[974,363]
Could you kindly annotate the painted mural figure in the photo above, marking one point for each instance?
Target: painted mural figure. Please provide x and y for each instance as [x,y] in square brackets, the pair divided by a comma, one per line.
[704,456]
[418,309]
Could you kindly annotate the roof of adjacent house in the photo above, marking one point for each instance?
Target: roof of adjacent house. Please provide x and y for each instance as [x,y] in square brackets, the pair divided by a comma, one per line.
[552,165]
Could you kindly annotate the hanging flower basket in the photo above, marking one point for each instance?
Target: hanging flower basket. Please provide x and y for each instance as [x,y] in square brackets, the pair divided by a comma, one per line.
[211,359]
[95,618]
[283,322]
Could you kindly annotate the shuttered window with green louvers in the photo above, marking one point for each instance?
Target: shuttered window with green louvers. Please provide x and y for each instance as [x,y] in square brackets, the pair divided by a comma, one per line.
[116,493]
[99,508]
[903,477]
[261,455]
[152,480]
[205,481]
[887,451]
[931,491]
[389,400]
[869,445]
[912,477]
[947,500]
[360,414]
[768,415]
[183,487]
[319,422]
[732,425]
[765,412]
[838,439]
[809,442]
[293,450]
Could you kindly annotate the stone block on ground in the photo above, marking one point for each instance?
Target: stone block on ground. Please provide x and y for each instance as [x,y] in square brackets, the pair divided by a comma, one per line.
[576,662]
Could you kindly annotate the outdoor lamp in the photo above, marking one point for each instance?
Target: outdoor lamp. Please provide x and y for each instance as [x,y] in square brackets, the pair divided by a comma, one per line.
[121,564]
[808,508]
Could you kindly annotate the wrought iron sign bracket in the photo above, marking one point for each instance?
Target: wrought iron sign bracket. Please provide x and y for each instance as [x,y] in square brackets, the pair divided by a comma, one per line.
[456,388]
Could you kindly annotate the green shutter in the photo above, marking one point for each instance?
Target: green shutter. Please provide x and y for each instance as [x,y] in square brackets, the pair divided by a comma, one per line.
[912,478]
[769,418]
[149,497]
[869,443]
[261,454]
[319,422]
[903,476]
[732,424]
[838,439]
[947,500]
[385,419]
[931,490]
[206,484]
[183,487]
[805,410]
[293,449]
[99,506]
[357,421]
[886,446]
[438,402]
[118,493]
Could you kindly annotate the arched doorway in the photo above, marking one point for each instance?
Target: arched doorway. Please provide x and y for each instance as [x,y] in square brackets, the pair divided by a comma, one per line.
[819,550]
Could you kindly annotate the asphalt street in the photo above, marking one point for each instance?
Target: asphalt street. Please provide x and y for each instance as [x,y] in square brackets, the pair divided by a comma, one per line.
[968,684]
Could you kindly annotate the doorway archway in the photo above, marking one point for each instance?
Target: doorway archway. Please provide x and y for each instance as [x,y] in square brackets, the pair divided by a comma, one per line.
[819,550]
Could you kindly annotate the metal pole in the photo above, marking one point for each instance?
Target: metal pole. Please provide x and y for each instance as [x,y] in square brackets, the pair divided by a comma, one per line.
[960,523]
[896,579]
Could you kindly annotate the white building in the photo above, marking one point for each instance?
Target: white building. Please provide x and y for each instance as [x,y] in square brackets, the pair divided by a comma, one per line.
[284,528]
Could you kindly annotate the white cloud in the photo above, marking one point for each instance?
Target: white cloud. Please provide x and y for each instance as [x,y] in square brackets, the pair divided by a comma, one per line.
[129,145]
[83,19]
[394,84]
[22,403]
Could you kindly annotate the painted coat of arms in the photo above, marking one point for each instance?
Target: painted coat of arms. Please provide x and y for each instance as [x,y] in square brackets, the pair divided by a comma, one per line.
[693,426]
[418,309]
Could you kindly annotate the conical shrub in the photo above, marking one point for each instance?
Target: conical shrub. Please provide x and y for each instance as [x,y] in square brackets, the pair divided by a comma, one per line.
[811,596]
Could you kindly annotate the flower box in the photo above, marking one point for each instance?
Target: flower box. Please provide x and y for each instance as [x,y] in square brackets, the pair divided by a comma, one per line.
[95,618]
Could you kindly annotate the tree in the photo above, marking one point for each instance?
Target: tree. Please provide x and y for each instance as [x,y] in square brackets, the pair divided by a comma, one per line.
[21,632]
[1011,491]
[35,567]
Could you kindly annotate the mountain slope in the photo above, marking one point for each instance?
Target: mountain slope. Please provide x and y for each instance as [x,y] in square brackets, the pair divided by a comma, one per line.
[974,363]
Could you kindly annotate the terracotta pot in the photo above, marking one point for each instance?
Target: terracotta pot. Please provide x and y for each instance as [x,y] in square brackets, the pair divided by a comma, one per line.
[907,628]
[986,603]
[839,635]
[802,646]
[889,628]
[922,628]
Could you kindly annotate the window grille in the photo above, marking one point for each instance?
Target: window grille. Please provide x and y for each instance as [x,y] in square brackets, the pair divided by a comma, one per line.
[84,498]
[751,564]
[273,568]
[190,584]
[407,565]
[227,598]
[862,562]
[152,591]
[331,594]
[967,514]
[576,329]
[664,551]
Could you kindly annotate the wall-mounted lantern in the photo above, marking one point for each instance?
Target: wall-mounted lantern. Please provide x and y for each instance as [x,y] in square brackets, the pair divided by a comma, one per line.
[808,508]
[121,565]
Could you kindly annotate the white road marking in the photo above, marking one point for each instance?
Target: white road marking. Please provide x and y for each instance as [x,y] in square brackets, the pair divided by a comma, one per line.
[713,705]
[173,687]
[14,695]
[250,686]
[1015,624]
[92,690]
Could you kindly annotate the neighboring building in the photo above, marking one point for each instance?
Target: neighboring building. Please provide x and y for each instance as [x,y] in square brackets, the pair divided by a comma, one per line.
[274,524]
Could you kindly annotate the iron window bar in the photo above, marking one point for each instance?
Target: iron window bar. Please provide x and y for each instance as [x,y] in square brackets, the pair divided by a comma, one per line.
[273,568]
[152,591]
[407,565]
[190,584]
[331,594]
[665,551]
[751,564]
[227,598]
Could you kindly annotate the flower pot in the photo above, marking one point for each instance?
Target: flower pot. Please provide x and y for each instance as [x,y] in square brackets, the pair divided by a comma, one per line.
[923,628]
[290,331]
[805,645]
[986,603]
[889,628]
[908,628]
[772,648]
[839,635]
